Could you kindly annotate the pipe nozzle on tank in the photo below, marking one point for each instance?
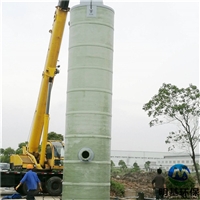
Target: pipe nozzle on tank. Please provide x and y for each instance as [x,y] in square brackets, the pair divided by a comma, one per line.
[86,154]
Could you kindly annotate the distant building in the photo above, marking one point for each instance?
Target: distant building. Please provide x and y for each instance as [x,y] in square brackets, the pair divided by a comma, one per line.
[185,159]
[158,159]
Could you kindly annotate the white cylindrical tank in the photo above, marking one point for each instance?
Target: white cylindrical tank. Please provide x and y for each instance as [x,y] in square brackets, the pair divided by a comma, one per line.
[89,103]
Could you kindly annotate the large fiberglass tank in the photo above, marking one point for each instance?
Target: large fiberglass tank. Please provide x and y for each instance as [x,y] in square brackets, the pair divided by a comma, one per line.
[89,102]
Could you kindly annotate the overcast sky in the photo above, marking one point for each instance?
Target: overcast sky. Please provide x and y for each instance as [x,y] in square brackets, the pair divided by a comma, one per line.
[154,43]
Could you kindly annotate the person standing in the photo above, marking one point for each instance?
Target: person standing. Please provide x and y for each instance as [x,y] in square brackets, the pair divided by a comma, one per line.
[32,181]
[158,183]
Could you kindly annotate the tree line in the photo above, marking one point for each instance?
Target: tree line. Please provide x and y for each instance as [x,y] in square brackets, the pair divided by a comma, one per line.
[7,152]
[135,168]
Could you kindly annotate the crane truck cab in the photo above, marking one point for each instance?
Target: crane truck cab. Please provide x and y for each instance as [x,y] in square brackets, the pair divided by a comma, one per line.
[55,154]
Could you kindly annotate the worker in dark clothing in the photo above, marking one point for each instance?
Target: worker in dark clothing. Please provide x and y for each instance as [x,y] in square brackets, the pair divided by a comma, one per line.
[32,181]
[158,183]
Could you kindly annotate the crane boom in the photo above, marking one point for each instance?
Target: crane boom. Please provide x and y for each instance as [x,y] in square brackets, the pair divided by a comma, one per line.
[49,73]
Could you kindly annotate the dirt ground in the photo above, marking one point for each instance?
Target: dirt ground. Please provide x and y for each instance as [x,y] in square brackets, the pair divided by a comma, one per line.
[136,183]
[139,182]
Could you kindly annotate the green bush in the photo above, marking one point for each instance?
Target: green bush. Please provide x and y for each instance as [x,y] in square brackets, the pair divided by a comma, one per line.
[117,188]
[177,188]
[115,171]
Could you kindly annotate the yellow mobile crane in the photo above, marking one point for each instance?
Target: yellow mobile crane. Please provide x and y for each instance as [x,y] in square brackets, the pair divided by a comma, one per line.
[49,161]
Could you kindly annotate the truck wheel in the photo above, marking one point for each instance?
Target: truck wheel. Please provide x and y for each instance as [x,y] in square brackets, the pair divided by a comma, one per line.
[54,186]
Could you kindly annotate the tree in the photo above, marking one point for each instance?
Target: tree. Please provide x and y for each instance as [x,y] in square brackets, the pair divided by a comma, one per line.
[20,147]
[1,151]
[55,136]
[147,165]
[6,155]
[179,105]
[136,167]
[122,165]
[112,164]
